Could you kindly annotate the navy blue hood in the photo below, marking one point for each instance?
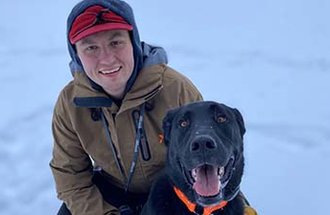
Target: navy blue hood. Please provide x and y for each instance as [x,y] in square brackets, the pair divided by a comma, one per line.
[144,54]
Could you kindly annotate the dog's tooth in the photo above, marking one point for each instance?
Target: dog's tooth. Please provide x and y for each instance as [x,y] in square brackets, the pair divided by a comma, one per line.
[194,173]
[221,171]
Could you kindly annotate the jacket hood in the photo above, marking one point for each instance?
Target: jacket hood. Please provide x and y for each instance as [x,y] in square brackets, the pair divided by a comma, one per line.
[144,54]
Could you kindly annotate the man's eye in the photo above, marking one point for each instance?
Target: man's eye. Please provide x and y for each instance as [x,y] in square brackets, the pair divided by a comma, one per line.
[91,48]
[116,43]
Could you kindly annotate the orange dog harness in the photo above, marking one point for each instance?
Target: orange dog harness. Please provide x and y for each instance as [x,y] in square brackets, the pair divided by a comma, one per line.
[192,206]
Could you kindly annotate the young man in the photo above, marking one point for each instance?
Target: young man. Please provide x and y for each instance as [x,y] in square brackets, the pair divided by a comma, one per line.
[107,122]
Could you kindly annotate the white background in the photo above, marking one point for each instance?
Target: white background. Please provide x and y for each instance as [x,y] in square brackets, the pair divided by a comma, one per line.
[268,58]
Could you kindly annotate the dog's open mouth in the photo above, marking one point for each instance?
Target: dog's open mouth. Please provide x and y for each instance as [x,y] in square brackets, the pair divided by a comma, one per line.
[209,180]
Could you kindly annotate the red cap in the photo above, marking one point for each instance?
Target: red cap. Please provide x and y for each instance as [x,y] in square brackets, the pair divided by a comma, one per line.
[95,19]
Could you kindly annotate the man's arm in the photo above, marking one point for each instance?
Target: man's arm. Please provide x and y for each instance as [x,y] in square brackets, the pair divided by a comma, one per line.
[72,169]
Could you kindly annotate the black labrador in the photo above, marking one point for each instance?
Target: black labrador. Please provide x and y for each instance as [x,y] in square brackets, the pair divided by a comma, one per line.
[204,163]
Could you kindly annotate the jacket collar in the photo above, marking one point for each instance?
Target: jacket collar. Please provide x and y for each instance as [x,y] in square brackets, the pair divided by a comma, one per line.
[147,85]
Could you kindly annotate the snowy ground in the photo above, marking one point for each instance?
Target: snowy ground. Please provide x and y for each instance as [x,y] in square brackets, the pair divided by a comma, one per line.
[270,59]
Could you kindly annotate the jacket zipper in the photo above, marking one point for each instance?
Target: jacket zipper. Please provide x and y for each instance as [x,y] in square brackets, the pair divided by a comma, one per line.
[144,145]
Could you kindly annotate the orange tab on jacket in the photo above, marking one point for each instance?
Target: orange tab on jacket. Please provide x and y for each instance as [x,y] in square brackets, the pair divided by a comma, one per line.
[161,138]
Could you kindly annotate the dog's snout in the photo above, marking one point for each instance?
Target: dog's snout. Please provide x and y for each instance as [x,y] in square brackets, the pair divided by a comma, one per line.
[203,143]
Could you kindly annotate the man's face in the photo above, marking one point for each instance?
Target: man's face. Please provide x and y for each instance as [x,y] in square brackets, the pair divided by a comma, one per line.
[107,58]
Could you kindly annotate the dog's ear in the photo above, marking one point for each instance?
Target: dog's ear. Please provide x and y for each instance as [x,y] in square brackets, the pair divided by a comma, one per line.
[240,121]
[167,125]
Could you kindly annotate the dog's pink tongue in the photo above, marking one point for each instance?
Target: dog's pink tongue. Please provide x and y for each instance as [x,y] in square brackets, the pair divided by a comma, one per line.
[207,182]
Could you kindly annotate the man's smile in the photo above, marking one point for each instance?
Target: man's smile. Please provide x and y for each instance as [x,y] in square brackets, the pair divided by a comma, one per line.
[111,71]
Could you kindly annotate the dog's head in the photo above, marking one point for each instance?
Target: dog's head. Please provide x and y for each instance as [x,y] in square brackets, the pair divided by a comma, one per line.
[205,151]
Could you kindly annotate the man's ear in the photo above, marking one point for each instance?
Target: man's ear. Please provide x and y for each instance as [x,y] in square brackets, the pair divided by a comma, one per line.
[167,125]
[240,121]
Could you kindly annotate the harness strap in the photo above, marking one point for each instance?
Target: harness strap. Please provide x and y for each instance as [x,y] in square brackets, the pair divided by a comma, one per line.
[192,206]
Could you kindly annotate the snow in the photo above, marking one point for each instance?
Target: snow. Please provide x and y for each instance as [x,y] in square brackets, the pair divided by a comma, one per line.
[270,59]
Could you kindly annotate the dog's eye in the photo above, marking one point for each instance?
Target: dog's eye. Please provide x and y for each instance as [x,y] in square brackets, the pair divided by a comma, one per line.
[183,123]
[221,119]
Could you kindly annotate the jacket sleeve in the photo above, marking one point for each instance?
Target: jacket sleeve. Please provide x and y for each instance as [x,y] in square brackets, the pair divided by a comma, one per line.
[188,92]
[72,168]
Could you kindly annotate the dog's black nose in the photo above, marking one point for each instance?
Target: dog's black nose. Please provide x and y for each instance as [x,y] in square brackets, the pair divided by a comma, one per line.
[203,143]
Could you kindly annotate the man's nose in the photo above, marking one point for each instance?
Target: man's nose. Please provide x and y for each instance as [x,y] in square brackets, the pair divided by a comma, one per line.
[106,54]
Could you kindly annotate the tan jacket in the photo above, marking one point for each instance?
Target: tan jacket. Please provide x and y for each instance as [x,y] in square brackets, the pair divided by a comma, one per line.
[80,142]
